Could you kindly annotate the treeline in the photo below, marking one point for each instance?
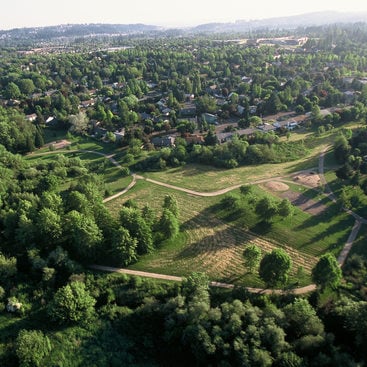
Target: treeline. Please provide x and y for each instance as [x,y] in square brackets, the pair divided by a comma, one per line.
[116,320]
[261,148]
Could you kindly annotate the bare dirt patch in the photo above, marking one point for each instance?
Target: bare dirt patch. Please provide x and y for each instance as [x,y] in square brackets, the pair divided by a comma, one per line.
[304,203]
[59,144]
[308,179]
[277,186]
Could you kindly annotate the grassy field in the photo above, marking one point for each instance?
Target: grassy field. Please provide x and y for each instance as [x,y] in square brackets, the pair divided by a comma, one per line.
[212,242]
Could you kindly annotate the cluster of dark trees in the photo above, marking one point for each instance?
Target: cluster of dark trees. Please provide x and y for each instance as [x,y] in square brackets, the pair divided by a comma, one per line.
[109,320]
[256,149]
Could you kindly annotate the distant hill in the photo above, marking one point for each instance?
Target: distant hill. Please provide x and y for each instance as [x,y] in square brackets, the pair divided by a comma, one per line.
[76,30]
[290,22]
[70,31]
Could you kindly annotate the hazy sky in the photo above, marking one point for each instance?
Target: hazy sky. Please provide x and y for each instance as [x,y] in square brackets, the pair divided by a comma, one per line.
[28,13]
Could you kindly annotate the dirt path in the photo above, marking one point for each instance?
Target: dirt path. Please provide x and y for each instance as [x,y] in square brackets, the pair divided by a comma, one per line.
[124,191]
[359,220]
[145,274]
[206,194]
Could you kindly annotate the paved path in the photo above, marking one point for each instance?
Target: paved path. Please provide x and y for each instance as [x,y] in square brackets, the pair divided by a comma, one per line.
[146,274]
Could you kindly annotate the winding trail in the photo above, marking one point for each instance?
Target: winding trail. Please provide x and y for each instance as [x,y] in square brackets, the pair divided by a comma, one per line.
[327,191]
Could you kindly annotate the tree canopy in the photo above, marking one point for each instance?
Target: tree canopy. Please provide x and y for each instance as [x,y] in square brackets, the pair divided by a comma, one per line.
[275,267]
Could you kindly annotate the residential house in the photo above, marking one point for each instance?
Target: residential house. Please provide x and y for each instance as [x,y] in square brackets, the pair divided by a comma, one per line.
[13,102]
[349,96]
[246,79]
[145,116]
[209,118]
[266,127]
[287,124]
[189,110]
[163,141]
[166,111]
[194,139]
[240,109]
[32,117]
[253,109]
[119,135]
[50,121]
[224,137]
[86,104]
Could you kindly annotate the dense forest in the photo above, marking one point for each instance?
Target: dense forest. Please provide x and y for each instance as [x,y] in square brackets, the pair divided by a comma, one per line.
[221,102]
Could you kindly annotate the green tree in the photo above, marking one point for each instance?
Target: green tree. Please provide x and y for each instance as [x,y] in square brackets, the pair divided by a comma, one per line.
[266,208]
[302,320]
[133,221]
[168,225]
[275,267]
[246,190]
[171,204]
[49,226]
[31,347]
[341,149]
[12,91]
[123,247]
[8,266]
[26,86]
[285,208]
[79,123]
[252,256]
[327,272]
[83,235]
[72,304]
[196,288]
